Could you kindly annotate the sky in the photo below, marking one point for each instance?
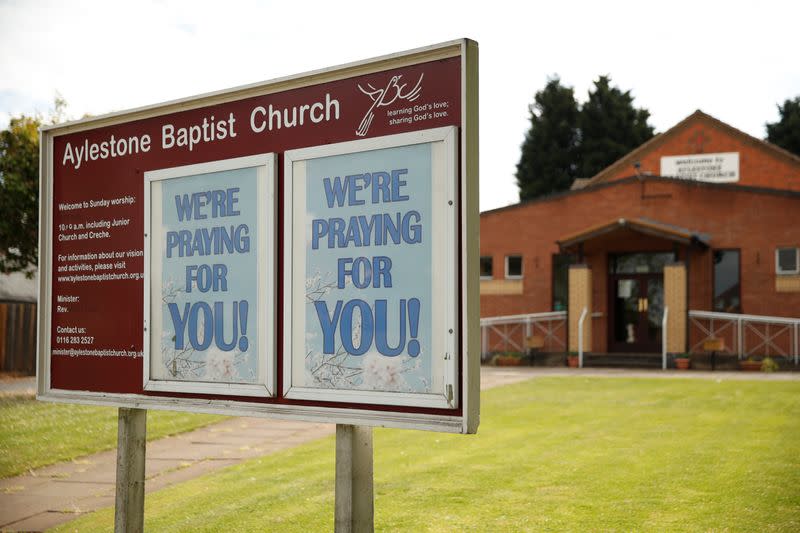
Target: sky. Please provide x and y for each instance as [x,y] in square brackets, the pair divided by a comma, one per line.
[735,60]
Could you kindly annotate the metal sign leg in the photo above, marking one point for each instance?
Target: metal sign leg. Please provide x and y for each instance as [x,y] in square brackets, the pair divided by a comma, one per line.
[131,439]
[354,496]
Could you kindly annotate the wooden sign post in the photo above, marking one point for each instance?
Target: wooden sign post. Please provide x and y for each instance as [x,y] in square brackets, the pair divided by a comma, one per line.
[131,451]
[354,480]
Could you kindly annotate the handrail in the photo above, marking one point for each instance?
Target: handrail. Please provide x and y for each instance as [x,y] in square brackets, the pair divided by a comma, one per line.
[749,318]
[664,338]
[580,336]
[488,321]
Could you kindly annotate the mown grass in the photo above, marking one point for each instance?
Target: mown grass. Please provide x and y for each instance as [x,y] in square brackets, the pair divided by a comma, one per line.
[35,434]
[552,454]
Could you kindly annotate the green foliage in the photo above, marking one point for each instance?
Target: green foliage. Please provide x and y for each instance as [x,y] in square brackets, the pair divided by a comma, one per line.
[610,127]
[769,365]
[499,357]
[19,190]
[550,151]
[567,141]
[19,195]
[35,434]
[552,454]
[786,131]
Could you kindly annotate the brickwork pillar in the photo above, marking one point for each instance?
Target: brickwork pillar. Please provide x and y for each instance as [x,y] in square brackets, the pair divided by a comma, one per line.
[580,296]
[675,300]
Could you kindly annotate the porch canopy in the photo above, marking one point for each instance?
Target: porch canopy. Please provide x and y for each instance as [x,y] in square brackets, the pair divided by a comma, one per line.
[618,228]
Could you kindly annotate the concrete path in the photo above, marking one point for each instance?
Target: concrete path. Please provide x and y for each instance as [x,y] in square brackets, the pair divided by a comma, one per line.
[59,493]
[14,386]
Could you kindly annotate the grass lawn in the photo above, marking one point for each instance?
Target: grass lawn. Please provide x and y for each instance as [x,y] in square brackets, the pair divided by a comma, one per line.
[34,434]
[554,454]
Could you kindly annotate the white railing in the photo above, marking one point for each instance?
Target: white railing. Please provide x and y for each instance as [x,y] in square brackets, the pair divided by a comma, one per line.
[664,331]
[749,334]
[508,333]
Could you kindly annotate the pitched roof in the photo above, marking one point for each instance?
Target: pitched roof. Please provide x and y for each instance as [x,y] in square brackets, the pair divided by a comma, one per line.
[592,187]
[645,226]
[698,116]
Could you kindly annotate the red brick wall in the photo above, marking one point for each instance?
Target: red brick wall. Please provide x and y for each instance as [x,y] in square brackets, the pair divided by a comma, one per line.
[755,223]
[759,166]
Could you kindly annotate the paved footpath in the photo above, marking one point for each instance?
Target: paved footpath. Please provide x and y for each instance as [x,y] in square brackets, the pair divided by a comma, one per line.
[52,495]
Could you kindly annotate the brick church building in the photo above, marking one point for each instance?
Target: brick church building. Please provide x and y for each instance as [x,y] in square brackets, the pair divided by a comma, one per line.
[701,218]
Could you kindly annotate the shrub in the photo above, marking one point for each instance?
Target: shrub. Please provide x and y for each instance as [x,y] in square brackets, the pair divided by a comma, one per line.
[769,365]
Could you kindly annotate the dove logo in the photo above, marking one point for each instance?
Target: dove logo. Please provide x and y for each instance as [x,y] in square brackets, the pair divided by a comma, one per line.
[396,89]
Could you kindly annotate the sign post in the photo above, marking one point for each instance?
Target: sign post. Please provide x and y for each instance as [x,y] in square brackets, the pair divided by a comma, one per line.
[304,248]
[131,445]
[354,480]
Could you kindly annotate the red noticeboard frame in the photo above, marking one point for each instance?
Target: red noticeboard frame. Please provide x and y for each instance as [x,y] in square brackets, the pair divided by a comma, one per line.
[90,323]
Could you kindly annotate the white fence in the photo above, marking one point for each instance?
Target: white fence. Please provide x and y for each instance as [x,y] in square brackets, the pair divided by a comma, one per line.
[747,335]
[509,333]
[743,335]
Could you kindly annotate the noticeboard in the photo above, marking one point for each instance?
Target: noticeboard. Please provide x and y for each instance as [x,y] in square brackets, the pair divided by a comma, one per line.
[303,248]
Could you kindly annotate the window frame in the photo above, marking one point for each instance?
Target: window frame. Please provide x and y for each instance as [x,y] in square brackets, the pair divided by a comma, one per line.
[714,277]
[614,257]
[572,259]
[521,267]
[781,272]
[491,267]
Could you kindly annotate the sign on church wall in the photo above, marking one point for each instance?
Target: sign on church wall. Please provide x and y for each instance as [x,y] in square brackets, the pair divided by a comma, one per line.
[714,168]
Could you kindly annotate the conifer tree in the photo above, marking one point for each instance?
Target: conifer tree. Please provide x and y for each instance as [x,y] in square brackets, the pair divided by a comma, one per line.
[610,127]
[549,159]
[568,141]
[786,131]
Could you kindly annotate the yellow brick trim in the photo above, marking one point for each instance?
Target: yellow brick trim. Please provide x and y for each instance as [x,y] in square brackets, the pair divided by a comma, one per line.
[491,287]
[787,283]
[675,300]
[580,296]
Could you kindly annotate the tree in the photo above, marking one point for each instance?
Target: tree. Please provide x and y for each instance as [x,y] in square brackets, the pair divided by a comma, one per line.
[786,131]
[610,127]
[549,159]
[19,191]
[19,195]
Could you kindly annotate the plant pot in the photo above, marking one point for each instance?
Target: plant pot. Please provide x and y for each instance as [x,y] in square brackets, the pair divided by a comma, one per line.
[509,361]
[682,363]
[750,366]
[572,361]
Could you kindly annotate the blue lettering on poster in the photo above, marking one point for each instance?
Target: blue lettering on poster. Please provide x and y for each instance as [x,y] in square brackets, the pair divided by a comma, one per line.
[368,270]
[209,273]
